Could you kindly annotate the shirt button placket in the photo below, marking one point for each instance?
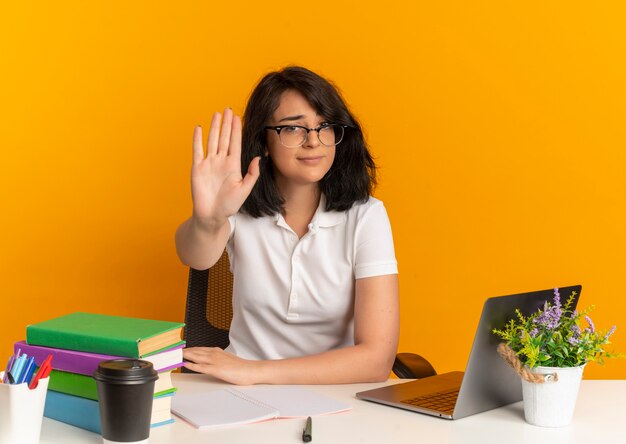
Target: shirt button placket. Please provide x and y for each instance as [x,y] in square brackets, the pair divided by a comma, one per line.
[295,278]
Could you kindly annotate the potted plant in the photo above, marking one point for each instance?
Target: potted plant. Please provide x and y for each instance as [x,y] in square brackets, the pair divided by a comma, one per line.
[549,349]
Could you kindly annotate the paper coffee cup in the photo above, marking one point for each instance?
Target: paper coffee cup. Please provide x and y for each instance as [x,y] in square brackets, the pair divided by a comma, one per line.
[125,394]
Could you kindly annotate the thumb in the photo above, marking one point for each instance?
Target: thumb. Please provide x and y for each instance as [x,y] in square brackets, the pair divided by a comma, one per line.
[252,175]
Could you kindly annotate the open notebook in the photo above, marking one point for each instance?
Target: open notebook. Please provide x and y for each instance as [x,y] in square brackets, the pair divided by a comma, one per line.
[245,405]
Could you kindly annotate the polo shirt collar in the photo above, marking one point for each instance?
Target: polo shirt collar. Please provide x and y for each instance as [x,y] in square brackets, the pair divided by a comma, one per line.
[321,218]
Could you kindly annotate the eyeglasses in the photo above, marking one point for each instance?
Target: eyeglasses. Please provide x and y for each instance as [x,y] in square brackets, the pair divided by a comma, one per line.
[293,136]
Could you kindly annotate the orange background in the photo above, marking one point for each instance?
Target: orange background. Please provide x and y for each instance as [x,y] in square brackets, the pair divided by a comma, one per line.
[499,128]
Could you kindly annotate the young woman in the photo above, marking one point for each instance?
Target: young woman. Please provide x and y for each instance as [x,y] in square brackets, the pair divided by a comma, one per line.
[315,297]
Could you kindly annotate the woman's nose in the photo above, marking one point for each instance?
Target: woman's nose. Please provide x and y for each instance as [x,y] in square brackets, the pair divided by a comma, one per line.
[312,139]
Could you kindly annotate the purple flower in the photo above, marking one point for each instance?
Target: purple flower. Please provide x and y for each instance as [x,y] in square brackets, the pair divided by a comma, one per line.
[550,317]
[533,332]
[575,337]
[557,302]
[611,331]
[592,328]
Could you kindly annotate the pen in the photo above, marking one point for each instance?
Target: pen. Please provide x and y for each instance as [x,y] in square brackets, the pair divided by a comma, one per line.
[307,433]
[10,378]
[43,372]
[8,369]
[28,371]
[18,368]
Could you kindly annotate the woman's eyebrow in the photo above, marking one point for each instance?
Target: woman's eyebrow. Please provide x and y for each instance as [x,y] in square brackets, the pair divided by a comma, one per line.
[292,118]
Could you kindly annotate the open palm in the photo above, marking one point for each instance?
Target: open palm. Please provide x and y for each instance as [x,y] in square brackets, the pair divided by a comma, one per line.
[217,186]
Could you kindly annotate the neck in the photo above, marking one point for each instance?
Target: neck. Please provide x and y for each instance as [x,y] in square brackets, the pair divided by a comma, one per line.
[301,200]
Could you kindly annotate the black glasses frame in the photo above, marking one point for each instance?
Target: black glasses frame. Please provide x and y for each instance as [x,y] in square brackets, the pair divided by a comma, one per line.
[279,128]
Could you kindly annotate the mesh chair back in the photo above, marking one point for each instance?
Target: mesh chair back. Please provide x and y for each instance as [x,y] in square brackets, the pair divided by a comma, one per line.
[209,305]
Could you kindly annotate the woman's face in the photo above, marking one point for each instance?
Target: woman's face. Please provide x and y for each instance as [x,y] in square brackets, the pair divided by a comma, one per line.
[306,164]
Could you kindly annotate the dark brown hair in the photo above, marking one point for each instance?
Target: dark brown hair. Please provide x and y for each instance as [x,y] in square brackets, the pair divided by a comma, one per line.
[352,175]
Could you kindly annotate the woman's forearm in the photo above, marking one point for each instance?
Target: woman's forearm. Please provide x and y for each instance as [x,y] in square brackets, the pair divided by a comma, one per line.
[359,363]
[200,246]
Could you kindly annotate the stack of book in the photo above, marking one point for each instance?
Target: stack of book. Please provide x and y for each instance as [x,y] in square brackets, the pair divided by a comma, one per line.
[78,342]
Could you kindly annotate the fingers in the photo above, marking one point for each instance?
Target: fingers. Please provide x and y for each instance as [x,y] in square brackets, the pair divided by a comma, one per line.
[200,355]
[214,134]
[224,137]
[198,150]
[214,361]
[224,140]
[235,138]
[205,369]
[199,368]
[191,366]
[252,176]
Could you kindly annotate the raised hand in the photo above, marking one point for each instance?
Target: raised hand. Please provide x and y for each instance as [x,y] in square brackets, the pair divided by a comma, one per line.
[217,187]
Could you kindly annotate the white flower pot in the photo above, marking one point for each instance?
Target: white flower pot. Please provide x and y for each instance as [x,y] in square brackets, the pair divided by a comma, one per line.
[551,404]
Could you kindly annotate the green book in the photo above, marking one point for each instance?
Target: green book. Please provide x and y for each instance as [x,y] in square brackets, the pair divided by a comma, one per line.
[105,334]
[85,386]
[73,384]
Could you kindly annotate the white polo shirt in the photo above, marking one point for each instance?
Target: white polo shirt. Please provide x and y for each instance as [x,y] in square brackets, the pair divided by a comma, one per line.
[295,297]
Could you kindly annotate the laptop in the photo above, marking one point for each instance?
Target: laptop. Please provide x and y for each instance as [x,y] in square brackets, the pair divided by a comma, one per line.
[488,382]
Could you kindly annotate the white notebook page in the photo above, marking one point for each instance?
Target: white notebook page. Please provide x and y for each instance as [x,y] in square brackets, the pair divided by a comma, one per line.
[220,408]
[294,401]
[244,405]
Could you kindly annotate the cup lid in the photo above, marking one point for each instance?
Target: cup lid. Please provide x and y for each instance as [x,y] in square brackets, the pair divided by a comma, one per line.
[125,370]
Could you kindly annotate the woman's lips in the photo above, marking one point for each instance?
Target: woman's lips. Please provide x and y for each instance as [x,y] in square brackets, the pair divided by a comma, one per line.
[310,160]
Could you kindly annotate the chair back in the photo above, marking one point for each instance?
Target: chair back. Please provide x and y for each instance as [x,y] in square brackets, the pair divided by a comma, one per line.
[209,305]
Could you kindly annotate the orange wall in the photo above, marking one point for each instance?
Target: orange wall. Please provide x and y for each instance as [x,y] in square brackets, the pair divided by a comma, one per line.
[499,129]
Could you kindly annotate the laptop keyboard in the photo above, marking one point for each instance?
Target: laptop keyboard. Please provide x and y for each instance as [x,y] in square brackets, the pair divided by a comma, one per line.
[439,401]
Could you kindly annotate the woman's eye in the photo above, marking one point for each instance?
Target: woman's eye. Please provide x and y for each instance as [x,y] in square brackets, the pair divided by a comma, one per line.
[290,129]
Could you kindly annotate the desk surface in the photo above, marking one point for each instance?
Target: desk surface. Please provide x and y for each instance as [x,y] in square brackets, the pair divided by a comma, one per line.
[600,411]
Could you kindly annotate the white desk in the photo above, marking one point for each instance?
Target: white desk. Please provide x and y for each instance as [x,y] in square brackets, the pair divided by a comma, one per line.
[599,417]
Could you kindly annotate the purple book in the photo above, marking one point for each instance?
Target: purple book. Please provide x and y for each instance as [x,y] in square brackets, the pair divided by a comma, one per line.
[86,363]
